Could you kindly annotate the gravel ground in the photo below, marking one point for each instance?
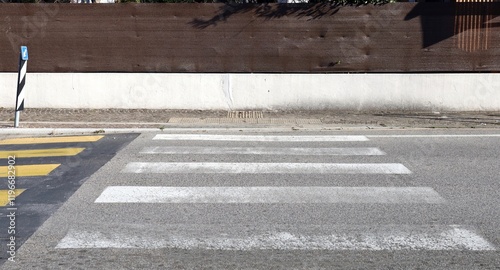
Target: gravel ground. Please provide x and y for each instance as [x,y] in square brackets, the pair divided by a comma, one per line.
[121,118]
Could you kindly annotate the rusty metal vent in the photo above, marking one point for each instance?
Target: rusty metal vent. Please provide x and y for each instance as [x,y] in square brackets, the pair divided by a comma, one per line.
[245,114]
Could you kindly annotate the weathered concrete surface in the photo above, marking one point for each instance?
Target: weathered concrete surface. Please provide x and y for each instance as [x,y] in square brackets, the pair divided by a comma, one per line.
[357,92]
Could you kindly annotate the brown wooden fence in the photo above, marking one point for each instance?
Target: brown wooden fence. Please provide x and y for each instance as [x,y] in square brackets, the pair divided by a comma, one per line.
[402,37]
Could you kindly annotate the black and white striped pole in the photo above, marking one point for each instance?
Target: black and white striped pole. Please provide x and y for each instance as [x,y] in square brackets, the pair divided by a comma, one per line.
[21,80]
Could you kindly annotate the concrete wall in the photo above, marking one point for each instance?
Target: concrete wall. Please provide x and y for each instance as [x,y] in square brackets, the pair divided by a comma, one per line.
[437,92]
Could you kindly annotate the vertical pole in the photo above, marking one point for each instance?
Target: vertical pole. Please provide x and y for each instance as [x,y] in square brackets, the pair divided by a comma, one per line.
[21,80]
[16,118]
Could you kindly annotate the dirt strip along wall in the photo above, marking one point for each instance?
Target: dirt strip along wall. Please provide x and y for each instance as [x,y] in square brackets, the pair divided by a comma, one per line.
[206,38]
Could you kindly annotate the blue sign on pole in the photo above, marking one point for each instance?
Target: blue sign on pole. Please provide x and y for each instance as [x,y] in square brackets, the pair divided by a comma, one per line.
[24,53]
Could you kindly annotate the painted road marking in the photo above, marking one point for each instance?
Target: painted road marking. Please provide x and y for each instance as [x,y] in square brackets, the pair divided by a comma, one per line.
[387,195]
[65,139]
[56,152]
[262,151]
[259,138]
[452,237]
[295,168]
[29,170]
[435,136]
[5,198]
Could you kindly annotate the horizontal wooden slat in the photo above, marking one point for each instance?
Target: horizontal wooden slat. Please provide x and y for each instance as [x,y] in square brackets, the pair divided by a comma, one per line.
[400,37]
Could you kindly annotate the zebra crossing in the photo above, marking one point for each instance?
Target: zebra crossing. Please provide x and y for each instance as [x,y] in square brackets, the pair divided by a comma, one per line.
[282,236]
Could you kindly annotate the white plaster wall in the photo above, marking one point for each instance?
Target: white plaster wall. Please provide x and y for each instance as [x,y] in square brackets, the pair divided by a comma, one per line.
[441,92]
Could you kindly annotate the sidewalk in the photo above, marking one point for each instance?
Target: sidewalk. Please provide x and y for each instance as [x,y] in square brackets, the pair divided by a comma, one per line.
[119,118]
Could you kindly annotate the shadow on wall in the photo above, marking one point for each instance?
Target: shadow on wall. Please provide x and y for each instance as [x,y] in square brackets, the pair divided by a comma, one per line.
[469,20]
[314,11]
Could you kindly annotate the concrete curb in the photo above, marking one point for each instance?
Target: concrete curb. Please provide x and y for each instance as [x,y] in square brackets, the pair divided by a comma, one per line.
[60,131]
[87,131]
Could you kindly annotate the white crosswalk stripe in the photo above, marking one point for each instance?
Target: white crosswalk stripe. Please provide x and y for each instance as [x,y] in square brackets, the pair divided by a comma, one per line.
[141,194]
[415,237]
[259,138]
[173,150]
[261,168]
[170,158]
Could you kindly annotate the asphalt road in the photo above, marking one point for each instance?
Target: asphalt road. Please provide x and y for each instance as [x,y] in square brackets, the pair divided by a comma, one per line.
[425,199]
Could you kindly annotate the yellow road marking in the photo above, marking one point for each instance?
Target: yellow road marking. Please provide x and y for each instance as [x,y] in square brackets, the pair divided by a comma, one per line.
[56,152]
[28,170]
[4,195]
[66,139]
